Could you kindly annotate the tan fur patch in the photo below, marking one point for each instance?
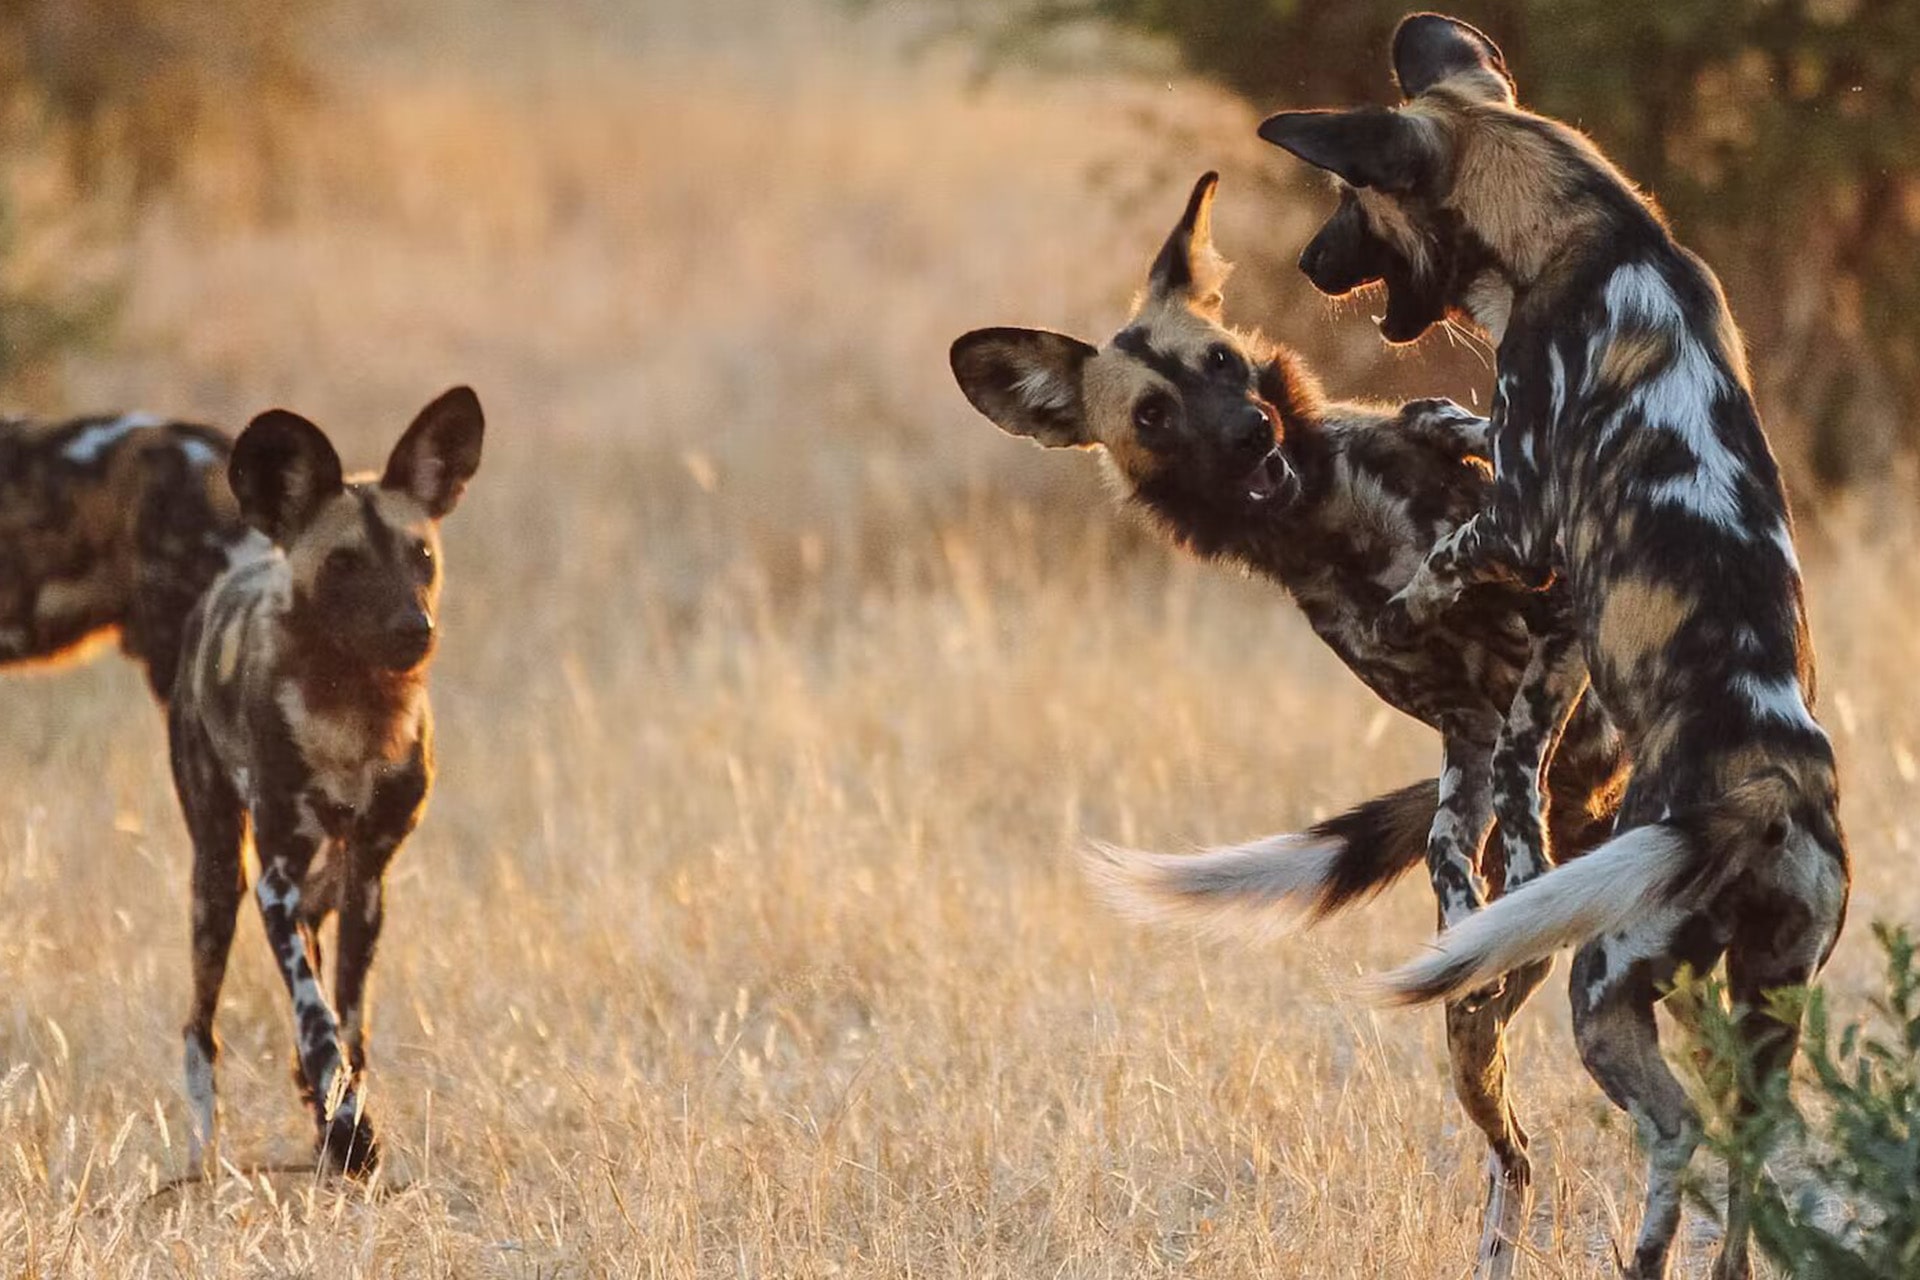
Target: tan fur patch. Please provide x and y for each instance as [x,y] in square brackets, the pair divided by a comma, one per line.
[1638,621]
[228,663]
[1631,357]
[1510,176]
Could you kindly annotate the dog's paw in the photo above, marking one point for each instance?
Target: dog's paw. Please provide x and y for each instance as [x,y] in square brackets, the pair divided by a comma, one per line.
[347,1145]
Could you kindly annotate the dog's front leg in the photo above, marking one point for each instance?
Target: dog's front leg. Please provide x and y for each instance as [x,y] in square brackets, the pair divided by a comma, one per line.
[1555,679]
[1452,428]
[287,843]
[396,809]
[1479,551]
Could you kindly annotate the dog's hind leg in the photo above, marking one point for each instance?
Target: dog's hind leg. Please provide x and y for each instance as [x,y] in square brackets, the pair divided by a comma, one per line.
[1615,981]
[1476,1043]
[1780,942]
[216,823]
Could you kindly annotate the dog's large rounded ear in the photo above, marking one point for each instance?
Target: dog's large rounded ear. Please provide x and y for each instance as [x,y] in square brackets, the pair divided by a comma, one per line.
[1431,47]
[1367,146]
[283,468]
[439,453]
[1189,268]
[1027,381]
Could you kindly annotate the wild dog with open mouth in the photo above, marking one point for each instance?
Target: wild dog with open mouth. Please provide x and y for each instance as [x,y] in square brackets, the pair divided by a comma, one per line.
[1626,445]
[111,524]
[301,716]
[1226,440]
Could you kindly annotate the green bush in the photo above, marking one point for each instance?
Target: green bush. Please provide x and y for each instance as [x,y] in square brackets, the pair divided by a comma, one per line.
[1838,1170]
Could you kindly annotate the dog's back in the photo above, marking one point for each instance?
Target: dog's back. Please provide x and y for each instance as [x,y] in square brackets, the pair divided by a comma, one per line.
[110,523]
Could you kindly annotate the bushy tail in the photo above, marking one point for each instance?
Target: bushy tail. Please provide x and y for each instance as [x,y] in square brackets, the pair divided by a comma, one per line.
[1276,882]
[1642,871]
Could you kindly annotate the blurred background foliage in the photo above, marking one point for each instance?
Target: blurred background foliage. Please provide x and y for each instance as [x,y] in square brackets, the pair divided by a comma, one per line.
[1777,134]
[102,105]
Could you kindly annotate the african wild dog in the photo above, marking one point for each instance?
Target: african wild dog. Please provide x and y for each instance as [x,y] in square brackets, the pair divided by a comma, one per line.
[1626,447]
[1226,441]
[301,715]
[110,523]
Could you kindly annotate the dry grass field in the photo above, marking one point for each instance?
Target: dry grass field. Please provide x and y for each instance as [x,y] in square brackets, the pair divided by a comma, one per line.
[744,936]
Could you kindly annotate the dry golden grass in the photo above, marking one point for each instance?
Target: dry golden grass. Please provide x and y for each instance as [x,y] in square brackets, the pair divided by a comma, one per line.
[744,937]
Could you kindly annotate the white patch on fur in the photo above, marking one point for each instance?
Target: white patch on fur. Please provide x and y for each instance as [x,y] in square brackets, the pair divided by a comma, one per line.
[95,440]
[1637,291]
[1041,389]
[249,547]
[1779,699]
[1556,386]
[1618,883]
[272,899]
[1646,939]
[1489,301]
[1228,891]
[1679,398]
[1782,538]
[201,1105]
[198,453]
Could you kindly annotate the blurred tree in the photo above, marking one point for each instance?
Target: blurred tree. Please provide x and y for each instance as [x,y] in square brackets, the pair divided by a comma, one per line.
[1777,134]
[114,95]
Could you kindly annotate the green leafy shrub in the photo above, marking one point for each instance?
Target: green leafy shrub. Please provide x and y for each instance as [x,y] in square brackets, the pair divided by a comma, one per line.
[1838,1169]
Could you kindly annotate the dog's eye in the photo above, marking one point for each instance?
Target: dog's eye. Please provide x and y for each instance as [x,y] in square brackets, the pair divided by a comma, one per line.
[423,555]
[1221,359]
[1150,414]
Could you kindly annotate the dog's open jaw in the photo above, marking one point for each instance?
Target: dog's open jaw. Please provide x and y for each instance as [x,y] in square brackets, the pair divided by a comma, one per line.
[1273,476]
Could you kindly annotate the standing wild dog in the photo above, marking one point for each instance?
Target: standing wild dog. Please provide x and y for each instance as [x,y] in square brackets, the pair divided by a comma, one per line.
[301,715]
[1226,441]
[110,523]
[1626,445]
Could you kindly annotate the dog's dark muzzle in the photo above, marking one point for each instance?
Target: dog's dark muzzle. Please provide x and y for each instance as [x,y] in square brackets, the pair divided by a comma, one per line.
[1337,260]
[408,641]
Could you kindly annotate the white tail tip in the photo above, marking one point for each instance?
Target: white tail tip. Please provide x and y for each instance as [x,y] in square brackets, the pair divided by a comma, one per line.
[1263,886]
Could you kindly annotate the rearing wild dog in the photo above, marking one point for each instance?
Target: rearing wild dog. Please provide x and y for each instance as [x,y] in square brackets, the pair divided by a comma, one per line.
[1227,442]
[301,716]
[1626,445]
[111,523]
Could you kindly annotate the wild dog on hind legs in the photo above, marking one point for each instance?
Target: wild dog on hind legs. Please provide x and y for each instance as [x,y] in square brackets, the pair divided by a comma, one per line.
[1627,444]
[1226,442]
[301,717]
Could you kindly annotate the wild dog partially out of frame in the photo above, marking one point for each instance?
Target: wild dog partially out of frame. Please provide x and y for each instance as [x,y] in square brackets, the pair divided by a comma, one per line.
[111,524]
[1626,445]
[1226,440]
[301,717]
